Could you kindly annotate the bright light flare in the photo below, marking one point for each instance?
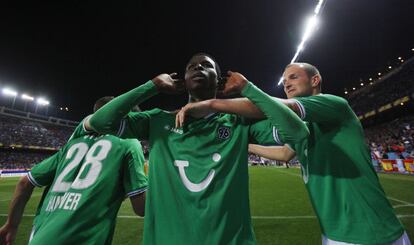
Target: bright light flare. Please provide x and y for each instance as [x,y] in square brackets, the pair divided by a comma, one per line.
[310,28]
[9,92]
[42,101]
[27,97]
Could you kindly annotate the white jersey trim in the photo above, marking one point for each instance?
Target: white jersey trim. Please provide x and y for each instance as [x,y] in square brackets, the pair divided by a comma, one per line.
[302,111]
[136,192]
[121,128]
[32,180]
[83,124]
[276,136]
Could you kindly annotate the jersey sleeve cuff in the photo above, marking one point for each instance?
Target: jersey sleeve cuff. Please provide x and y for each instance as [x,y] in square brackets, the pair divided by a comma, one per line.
[32,180]
[83,125]
[137,192]
[122,126]
[276,136]
[245,91]
[302,111]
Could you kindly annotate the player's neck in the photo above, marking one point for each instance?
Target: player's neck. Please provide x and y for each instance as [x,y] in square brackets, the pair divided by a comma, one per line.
[193,99]
[316,92]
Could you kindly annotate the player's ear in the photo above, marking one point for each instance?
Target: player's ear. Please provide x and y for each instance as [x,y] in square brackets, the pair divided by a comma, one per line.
[221,81]
[316,81]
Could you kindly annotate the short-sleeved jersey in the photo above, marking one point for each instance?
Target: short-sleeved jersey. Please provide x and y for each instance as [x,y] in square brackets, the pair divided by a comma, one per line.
[198,177]
[79,131]
[88,179]
[336,168]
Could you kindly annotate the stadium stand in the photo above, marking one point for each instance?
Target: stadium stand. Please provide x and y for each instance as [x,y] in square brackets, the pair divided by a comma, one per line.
[17,131]
[385,93]
[386,110]
[20,160]
[392,140]
[26,138]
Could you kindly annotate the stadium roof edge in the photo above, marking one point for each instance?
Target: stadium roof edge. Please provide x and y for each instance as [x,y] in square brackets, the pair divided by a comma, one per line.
[38,118]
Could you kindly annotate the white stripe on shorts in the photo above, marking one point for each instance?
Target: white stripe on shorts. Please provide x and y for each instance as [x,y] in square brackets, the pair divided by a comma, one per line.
[403,240]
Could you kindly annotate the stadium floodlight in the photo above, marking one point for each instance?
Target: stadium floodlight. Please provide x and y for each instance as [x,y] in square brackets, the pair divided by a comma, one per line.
[27,97]
[310,28]
[9,92]
[370,78]
[42,101]
[353,88]
[389,67]
[379,73]
[362,84]
[399,58]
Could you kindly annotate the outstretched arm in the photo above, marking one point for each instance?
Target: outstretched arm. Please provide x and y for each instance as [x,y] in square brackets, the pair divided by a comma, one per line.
[108,118]
[21,196]
[290,127]
[279,153]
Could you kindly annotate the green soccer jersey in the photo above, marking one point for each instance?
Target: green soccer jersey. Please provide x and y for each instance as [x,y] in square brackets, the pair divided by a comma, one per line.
[198,180]
[88,179]
[198,177]
[78,132]
[343,187]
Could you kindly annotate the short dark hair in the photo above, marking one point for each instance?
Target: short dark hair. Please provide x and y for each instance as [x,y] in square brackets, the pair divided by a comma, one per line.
[218,70]
[101,102]
[310,70]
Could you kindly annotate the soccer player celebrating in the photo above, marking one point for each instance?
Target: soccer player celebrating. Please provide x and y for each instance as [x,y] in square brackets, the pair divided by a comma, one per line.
[343,187]
[87,179]
[198,176]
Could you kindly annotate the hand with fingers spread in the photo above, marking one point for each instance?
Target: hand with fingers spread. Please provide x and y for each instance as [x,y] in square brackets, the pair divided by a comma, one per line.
[196,110]
[7,234]
[234,84]
[166,83]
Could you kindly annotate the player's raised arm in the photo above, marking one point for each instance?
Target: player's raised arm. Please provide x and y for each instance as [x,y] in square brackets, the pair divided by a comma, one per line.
[108,118]
[290,127]
[279,153]
[21,196]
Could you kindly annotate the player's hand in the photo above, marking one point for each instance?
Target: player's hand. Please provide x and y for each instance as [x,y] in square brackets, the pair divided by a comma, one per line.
[7,234]
[233,85]
[166,83]
[197,110]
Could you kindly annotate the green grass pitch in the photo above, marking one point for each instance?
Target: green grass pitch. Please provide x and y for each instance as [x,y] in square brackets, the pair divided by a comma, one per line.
[281,211]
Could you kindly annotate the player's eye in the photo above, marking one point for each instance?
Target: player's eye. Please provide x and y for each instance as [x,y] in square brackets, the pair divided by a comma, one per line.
[208,64]
[190,66]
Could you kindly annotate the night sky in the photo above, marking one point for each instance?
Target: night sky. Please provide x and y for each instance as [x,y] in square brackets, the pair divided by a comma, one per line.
[73,53]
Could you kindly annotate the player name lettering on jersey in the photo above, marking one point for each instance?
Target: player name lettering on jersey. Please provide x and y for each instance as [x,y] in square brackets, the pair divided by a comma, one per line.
[69,201]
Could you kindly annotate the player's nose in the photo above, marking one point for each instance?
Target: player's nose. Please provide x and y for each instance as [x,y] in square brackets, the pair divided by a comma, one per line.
[198,67]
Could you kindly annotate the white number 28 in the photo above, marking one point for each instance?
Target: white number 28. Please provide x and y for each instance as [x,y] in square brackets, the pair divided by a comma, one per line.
[93,158]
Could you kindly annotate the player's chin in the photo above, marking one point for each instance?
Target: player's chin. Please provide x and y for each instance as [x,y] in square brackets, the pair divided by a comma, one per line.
[294,94]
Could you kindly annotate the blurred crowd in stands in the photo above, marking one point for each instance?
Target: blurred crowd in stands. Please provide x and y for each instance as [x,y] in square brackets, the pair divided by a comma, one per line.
[386,90]
[32,133]
[392,140]
[20,160]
